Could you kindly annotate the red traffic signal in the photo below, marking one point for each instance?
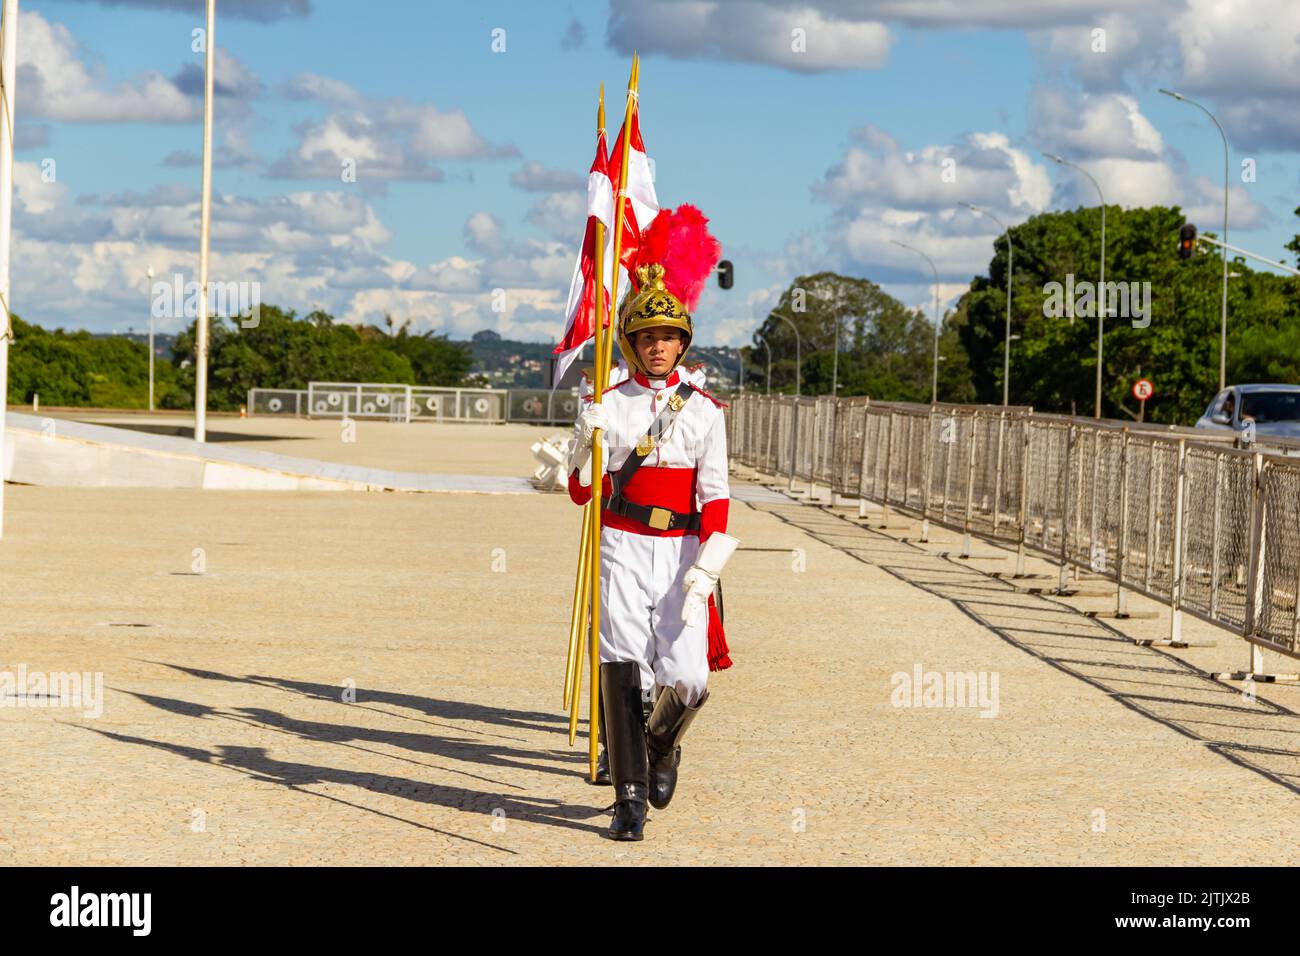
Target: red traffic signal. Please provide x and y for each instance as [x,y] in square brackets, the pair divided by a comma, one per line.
[1186,241]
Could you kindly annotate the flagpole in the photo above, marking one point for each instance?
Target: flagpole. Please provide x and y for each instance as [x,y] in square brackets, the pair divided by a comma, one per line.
[597,478]
[8,69]
[205,215]
[589,552]
[603,353]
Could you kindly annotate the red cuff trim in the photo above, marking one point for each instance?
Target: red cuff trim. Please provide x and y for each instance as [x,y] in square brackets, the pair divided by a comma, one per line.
[713,517]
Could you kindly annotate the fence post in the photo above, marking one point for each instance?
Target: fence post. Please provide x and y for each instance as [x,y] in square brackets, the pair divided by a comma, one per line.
[1176,581]
[889,466]
[1255,577]
[1065,508]
[1024,497]
[794,440]
[1043,492]
[947,466]
[862,461]
[1214,537]
[1121,547]
[997,474]
[927,466]
[970,482]
[813,456]
[1153,487]
[1092,498]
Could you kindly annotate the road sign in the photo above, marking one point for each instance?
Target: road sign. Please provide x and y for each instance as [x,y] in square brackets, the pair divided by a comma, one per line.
[1142,390]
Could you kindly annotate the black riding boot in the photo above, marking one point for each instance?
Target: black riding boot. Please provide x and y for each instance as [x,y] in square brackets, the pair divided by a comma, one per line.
[664,733]
[620,689]
[602,761]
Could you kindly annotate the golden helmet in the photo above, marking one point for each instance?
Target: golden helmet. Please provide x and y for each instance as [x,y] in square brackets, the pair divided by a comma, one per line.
[652,305]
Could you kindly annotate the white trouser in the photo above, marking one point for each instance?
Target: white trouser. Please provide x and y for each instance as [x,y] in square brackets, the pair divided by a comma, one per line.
[641,611]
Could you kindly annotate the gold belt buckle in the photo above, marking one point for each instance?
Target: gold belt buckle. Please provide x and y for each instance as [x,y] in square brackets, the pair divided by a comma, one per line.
[660,518]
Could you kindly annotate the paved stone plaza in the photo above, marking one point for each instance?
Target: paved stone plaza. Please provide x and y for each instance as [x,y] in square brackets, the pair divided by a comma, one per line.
[229,735]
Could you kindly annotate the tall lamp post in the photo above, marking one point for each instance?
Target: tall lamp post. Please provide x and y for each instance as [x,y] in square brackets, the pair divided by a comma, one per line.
[934,375]
[1101,285]
[148,274]
[205,218]
[1006,351]
[1223,323]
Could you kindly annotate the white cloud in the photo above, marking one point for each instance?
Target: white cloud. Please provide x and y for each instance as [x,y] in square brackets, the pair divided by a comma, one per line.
[385,138]
[81,261]
[561,216]
[483,232]
[1093,125]
[535,178]
[56,84]
[981,167]
[802,38]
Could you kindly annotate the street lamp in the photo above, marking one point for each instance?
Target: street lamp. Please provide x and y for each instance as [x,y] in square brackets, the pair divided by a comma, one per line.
[763,339]
[1006,352]
[934,377]
[148,274]
[1101,285]
[1223,323]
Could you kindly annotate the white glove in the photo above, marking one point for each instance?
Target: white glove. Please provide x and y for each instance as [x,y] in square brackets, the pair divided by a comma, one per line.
[702,577]
[593,416]
[698,585]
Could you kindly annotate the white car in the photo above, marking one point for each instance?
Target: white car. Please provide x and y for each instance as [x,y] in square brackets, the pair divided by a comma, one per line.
[1275,409]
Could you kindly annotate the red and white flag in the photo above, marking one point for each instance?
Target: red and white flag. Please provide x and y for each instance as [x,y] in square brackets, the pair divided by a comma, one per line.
[642,204]
[639,209]
[579,321]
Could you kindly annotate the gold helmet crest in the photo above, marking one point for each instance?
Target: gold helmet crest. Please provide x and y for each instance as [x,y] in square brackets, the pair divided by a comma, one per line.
[652,305]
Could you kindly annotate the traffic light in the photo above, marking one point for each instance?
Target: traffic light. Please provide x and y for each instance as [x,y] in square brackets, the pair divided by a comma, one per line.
[726,274]
[1186,241]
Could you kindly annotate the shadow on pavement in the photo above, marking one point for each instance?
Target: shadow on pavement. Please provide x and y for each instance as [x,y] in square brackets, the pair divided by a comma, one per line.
[1258,736]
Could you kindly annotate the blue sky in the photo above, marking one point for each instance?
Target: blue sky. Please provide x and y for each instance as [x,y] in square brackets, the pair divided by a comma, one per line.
[804,161]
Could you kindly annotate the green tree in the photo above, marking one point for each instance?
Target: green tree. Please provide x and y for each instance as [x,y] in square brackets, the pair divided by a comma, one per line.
[77,368]
[885,348]
[283,351]
[1053,364]
[434,359]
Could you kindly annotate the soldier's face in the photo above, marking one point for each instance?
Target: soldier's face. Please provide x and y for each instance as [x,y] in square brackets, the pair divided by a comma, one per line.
[659,349]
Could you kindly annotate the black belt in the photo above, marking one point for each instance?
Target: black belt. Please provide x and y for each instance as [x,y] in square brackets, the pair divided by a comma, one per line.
[661,519]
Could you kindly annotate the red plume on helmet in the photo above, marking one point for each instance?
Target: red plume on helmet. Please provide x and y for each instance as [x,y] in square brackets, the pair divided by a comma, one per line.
[680,241]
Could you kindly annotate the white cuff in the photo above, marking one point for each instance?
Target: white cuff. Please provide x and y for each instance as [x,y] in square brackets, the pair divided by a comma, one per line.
[715,553]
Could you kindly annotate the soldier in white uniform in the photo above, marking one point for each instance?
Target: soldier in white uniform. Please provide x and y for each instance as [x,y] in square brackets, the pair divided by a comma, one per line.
[691,372]
[662,548]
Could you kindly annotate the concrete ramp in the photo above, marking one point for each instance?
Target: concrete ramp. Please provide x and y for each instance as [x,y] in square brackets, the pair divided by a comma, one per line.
[63,453]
